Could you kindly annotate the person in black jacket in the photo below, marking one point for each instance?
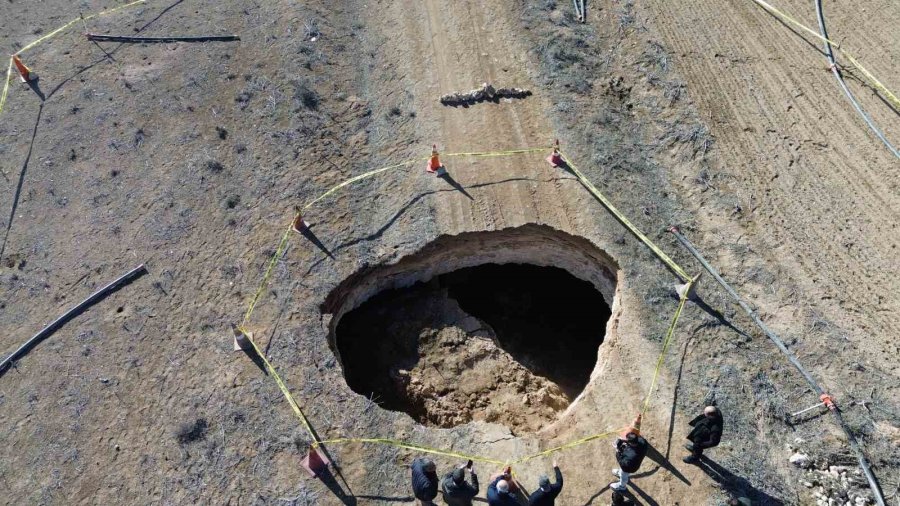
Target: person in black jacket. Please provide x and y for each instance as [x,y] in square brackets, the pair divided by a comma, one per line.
[456,491]
[546,494]
[707,433]
[424,481]
[630,452]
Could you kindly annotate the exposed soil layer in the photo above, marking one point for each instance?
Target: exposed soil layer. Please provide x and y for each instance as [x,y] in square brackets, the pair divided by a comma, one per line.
[512,344]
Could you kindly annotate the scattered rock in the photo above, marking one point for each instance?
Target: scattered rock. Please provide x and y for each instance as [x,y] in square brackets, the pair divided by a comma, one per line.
[800,460]
[829,484]
[486,92]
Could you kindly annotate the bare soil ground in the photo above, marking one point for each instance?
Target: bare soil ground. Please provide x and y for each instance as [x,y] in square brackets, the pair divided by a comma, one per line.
[190,157]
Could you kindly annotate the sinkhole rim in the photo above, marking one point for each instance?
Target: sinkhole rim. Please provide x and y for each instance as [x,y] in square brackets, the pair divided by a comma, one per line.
[531,245]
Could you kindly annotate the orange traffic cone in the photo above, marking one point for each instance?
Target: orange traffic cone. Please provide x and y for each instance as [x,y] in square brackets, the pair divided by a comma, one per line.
[299,224]
[635,426]
[555,158]
[434,164]
[25,72]
[314,462]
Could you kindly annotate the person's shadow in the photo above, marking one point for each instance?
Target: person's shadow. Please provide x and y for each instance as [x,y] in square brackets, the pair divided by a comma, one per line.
[736,485]
[662,462]
[630,498]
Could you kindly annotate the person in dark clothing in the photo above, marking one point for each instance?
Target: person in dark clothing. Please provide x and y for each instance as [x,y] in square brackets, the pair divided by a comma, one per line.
[546,493]
[620,499]
[630,452]
[424,481]
[498,493]
[456,491]
[706,433]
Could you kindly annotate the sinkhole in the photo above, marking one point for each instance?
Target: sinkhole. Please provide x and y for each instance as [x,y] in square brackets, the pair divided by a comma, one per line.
[503,327]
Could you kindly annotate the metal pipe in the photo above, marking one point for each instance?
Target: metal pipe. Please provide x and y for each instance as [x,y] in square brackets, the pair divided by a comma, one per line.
[808,409]
[123,38]
[854,444]
[577,11]
[837,74]
[75,311]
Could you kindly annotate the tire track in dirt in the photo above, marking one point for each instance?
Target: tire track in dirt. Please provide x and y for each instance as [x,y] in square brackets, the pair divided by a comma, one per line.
[485,53]
[828,203]
[451,46]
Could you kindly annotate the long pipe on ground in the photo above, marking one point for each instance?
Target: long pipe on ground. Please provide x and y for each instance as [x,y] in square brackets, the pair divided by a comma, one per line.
[840,78]
[123,38]
[72,313]
[854,445]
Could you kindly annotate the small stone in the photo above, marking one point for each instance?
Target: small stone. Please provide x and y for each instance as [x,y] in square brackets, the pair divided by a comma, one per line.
[800,460]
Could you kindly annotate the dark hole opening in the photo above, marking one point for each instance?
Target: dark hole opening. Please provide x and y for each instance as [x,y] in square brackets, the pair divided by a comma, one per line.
[511,343]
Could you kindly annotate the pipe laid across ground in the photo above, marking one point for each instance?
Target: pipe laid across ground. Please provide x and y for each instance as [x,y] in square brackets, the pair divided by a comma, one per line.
[854,444]
[72,313]
[840,78]
[124,38]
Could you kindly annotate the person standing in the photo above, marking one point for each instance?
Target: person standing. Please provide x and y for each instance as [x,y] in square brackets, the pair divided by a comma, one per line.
[706,433]
[546,493]
[498,493]
[456,491]
[424,480]
[630,452]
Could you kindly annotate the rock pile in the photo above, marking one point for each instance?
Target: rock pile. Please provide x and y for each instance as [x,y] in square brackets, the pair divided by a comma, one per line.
[830,485]
[486,92]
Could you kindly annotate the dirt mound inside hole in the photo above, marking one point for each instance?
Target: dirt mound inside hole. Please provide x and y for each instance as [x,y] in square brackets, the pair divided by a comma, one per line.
[510,344]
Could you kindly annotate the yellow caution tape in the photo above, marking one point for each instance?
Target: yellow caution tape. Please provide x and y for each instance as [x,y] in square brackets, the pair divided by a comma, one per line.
[265,281]
[498,153]
[413,446]
[566,446]
[284,239]
[436,451]
[666,342]
[53,34]
[6,84]
[427,449]
[284,389]
[630,226]
[463,456]
[70,23]
[371,173]
[871,78]
[360,177]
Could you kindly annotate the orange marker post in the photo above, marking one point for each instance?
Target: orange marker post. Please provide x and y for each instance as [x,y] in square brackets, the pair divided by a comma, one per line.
[315,462]
[299,224]
[24,72]
[434,163]
[555,158]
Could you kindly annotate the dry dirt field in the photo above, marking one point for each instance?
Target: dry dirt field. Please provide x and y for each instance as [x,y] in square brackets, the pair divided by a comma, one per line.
[497,312]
